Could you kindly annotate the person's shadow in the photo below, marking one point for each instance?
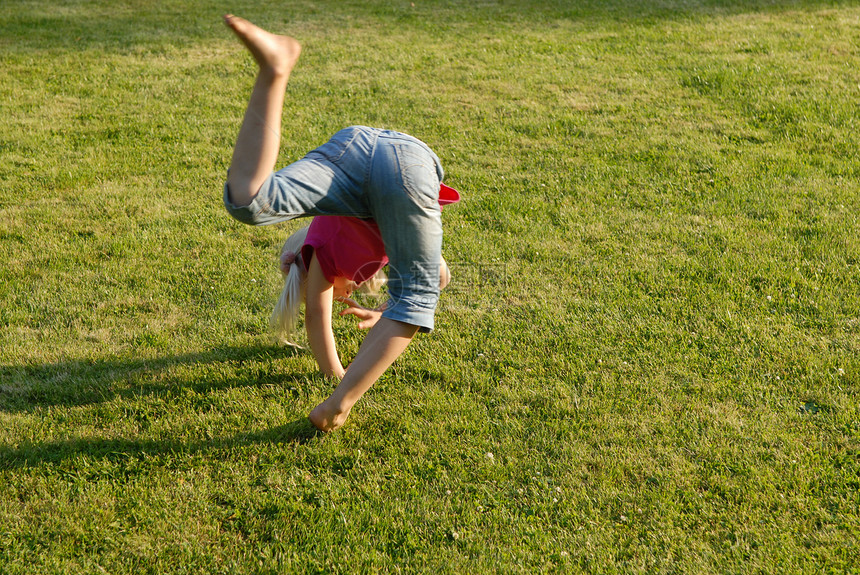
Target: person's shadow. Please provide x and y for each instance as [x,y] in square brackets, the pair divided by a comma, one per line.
[32,454]
[28,388]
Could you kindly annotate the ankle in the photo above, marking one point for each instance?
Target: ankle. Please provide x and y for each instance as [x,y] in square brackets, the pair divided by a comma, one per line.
[279,70]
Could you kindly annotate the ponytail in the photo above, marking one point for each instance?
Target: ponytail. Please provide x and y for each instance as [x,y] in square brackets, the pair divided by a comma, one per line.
[286,312]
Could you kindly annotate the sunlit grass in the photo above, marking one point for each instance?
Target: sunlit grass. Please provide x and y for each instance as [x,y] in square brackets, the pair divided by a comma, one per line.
[647,361]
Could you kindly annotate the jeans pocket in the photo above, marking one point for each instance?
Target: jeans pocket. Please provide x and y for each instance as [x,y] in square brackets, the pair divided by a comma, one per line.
[418,173]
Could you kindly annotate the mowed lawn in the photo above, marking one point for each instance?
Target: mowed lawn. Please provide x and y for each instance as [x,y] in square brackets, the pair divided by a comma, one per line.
[648,360]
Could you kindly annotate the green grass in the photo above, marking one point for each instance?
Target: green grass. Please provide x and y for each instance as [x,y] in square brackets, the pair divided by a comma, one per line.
[653,326]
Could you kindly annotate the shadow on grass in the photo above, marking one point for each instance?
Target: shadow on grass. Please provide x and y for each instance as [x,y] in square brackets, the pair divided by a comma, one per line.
[25,388]
[119,450]
[80,383]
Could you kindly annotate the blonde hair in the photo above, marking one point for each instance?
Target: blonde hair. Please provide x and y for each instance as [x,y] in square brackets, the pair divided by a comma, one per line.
[373,286]
[283,320]
[286,312]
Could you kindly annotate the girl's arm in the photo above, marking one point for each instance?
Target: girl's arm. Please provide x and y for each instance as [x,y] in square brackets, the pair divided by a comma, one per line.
[318,307]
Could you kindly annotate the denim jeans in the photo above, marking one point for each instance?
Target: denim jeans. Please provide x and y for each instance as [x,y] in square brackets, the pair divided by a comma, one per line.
[369,173]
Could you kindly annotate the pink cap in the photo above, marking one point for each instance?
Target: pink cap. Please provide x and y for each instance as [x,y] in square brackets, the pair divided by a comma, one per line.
[448,195]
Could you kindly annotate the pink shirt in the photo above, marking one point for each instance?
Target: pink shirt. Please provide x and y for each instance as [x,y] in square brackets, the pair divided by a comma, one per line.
[346,247]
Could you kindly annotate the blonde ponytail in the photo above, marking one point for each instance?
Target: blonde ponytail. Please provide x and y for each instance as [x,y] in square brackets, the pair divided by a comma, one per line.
[286,312]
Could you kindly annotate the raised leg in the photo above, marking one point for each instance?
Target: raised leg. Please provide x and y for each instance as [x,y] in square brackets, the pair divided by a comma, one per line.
[259,140]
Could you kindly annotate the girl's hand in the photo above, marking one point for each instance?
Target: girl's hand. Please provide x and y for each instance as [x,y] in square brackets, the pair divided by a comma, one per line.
[367,317]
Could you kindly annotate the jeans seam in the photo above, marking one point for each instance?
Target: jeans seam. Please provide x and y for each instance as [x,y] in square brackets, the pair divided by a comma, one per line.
[368,166]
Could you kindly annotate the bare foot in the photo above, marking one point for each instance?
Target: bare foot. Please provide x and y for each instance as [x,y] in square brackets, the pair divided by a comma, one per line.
[325,418]
[274,54]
